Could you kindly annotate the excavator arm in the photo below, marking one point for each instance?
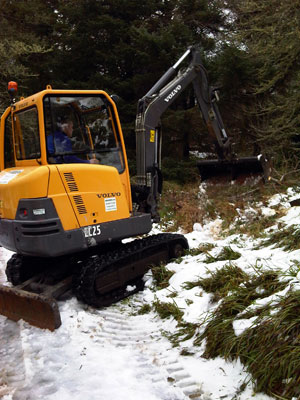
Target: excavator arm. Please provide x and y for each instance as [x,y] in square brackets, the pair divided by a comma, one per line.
[148,131]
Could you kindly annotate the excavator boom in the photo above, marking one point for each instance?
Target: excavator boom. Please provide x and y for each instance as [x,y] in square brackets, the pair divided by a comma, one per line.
[148,131]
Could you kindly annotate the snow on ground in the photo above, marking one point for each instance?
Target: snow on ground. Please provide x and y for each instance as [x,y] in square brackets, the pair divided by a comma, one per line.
[116,354]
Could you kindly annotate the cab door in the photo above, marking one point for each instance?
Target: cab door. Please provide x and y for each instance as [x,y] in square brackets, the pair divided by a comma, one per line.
[27,137]
[7,159]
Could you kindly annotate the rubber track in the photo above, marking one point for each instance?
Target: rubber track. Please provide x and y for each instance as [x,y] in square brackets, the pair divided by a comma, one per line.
[94,266]
[20,268]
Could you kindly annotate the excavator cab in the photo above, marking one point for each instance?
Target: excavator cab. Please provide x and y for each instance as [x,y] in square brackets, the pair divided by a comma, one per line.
[65,179]
[64,194]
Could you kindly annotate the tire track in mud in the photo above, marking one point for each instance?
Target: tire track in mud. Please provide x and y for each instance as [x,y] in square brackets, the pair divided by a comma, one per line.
[123,330]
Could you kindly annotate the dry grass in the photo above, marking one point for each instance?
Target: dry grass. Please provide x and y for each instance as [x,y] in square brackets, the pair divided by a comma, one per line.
[182,206]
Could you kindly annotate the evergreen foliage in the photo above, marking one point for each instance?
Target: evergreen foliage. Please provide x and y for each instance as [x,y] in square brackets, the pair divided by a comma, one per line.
[268,33]
[24,44]
[251,49]
[119,46]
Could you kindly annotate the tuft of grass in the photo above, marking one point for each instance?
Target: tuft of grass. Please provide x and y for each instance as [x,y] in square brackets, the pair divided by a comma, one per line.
[220,281]
[293,269]
[270,348]
[161,276]
[287,237]
[145,309]
[167,310]
[172,294]
[202,248]
[225,254]
[185,331]
[186,352]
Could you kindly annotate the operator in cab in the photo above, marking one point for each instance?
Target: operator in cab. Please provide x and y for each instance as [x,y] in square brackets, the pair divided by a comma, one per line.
[60,143]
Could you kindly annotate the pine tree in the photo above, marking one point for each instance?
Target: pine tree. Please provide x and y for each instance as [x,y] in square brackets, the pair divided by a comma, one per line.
[121,46]
[268,33]
[125,46]
[25,26]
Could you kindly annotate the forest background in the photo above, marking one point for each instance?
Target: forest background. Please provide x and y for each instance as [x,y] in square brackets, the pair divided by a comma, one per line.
[250,48]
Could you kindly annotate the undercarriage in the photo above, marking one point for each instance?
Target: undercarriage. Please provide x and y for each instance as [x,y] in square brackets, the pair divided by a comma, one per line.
[99,279]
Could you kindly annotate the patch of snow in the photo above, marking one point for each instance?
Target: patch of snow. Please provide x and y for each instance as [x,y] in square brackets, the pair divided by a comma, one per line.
[113,353]
[291,217]
[240,325]
[267,211]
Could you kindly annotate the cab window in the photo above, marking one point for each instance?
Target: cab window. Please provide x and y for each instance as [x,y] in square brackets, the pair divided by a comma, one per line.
[26,134]
[80,128]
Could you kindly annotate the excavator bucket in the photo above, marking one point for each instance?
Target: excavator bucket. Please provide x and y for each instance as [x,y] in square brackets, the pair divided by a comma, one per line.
[36,309]
[237,169]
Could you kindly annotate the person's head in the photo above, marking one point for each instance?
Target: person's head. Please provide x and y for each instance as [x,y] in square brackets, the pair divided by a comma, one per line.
[67,127]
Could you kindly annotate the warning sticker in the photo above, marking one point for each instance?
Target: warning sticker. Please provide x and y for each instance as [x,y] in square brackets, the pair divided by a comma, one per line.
[6,177]
[110,204]
[152,135]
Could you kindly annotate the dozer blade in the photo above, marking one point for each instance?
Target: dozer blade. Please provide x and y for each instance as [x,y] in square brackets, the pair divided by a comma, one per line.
[36,309]
[236,169]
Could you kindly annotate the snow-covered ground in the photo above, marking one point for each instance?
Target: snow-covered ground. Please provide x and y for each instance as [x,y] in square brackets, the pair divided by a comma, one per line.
[115,354]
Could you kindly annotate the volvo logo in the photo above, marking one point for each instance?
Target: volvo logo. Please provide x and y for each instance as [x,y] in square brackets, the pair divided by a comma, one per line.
[106,195]
[172,94]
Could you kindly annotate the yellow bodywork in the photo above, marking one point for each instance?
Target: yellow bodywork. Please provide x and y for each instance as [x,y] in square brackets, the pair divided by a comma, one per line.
[21,183]
[83,194]
[94,194]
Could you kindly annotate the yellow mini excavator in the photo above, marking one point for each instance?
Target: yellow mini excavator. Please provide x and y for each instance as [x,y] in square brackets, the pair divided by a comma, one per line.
[66,201]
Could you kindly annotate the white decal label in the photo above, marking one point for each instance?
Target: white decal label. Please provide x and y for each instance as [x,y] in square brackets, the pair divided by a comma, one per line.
[92,230]
[6,177]
[173,93]
[110,204]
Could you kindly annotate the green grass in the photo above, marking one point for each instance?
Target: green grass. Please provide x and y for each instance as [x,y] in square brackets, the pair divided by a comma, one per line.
[167,310]
[184,331]
[286,237]
[253,227]
[161,276]
[221,281]
[225,254]
[145,309]
[269,349]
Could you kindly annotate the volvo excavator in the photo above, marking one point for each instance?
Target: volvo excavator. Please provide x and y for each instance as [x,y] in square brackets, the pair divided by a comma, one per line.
[66,201]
